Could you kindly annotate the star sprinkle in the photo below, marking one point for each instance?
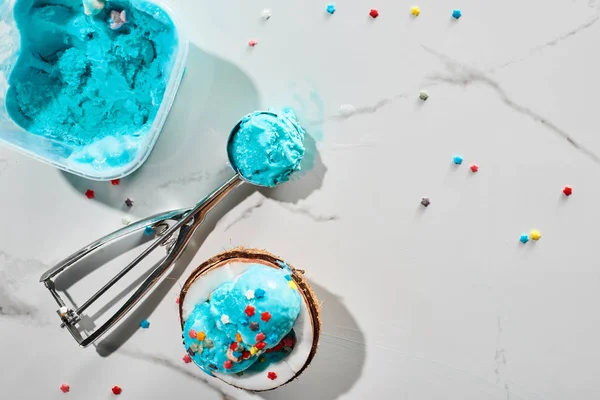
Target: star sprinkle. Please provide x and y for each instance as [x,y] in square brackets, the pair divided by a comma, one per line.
[423,95]
[201,336]
[272,375]
[243,321]
[90,194]
[208,343]
[245,354]
[457,160]
[250,294]
[568,190]
[330,8]
[292,285]
[115,182]
[374,13]
[145,324]
[249,310]
[265,316]
[116,389]
[535,235]
[177,300]
[261,345]
[126,220]
[288,341]
[253,326]
[524,238]
[288,278]
[233,346]
[195,347]
[266,14]
[259,293]
[260,337]
[253,350]
[425,202]
[456,14]
[118,19]
[474,168]
[238,337]
[192,333]
[225,319]
[65,388]
[227,364]
[129,202]
[415,11]
[148,231]
[252,43]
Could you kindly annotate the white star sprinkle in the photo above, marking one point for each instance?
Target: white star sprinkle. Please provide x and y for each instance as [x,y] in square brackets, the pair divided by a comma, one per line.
[250,294]
[225,319]
[266,14]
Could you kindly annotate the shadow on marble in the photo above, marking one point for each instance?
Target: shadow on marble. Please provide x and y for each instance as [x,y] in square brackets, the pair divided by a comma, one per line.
[189,159]
[119,336]
[339,361]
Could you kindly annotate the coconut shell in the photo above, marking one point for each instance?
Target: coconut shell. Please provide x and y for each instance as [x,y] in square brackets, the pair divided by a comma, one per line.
[241,254]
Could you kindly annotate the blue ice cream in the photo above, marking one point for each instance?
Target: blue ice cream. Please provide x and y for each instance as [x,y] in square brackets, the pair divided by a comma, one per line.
[267,149]
[85,79]
[244,319]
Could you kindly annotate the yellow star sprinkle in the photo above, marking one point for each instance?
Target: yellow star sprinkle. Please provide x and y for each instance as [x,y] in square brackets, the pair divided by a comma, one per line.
[415,11]
[253,350]
[201,336]
[535,235]
[238,337]
[292,285]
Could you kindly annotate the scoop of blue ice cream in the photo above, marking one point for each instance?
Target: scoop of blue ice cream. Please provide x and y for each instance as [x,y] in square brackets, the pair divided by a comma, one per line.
[267,149]
[261,305]
[210,348]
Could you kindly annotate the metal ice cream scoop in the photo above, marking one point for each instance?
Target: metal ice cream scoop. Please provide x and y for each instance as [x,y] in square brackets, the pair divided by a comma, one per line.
[174,237]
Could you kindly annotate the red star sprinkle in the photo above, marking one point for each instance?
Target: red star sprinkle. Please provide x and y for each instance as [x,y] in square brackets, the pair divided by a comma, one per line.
[245,354]
[374,13]
[568,190]
[252,43]
[228,364]
[192,333]
[233,346]
[177,300]
[474,168]
[272,376]
[115,182]
[260,345]
[89,194]
[260,337]
[117,389]
[65,388]
[249,311]
[187,359]
[265,316]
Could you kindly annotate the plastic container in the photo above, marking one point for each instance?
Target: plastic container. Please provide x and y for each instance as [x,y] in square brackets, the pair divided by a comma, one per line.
[57,153]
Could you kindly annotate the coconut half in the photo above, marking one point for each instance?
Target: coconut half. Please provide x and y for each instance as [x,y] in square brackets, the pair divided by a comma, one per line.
[226,267]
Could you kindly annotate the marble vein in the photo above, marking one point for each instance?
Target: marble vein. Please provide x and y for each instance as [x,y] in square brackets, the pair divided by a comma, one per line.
[305,211]
[13,272]
[194,177]
[351,112]
[247,213]
[460,74]
[561,38]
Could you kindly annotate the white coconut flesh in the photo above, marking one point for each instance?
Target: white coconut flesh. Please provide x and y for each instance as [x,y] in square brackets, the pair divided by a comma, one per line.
[285,369]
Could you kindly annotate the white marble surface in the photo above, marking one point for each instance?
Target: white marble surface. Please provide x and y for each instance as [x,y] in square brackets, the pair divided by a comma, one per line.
[433,303]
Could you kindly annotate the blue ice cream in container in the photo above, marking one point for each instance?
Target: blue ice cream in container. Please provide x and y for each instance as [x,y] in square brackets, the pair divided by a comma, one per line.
[86,86]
